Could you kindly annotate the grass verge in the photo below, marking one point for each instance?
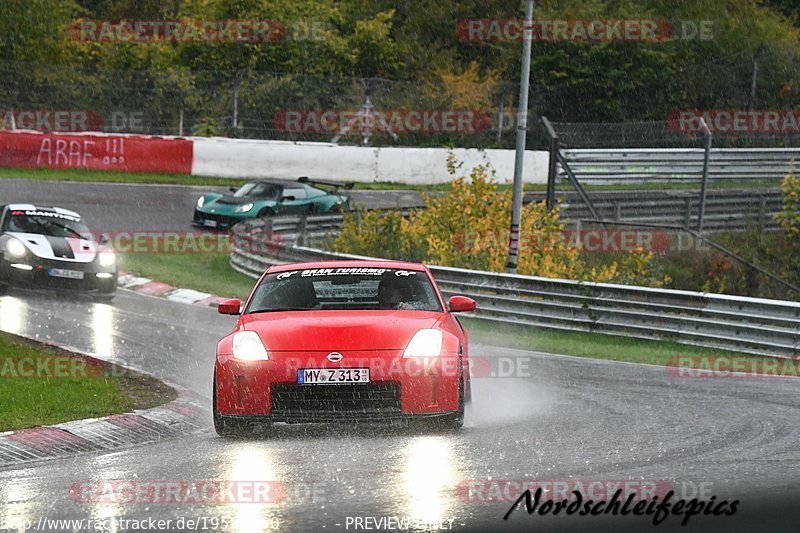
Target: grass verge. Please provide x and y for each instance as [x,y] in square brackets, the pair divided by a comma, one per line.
[206,271]
[42,385]
[592,345]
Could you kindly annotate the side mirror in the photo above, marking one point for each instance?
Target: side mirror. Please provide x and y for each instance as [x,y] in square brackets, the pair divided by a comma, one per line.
[103,239]
[232,189]
[229,307]
[462,304]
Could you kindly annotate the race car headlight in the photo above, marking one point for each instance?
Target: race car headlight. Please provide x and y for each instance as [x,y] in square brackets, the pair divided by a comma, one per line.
[106,259]
[201,201]
[244,208]
[425,343]
[15,248]
[247,346]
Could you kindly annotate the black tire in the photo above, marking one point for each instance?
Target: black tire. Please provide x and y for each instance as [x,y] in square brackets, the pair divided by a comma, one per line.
[455,421]
[267,212]
[104,298]
[3,288]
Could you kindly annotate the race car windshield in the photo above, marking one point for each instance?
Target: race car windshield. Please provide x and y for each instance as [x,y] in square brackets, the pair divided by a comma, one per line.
[257,190]
[50,225]
[345,289]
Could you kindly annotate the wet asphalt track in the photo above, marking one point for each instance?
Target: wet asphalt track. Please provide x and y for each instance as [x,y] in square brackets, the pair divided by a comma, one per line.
[566,419]
[570,419]
[131,207]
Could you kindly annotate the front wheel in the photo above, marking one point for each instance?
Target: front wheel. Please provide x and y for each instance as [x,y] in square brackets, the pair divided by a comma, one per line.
[455,421]
[267,212]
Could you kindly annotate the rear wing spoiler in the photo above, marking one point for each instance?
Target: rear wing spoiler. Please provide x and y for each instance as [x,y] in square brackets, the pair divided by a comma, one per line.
[335,184]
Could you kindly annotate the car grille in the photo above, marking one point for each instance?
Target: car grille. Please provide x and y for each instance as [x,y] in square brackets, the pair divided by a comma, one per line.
[336,400]
[221,219]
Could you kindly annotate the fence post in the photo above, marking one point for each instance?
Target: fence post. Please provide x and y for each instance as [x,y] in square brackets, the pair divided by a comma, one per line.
[704,184]
[553,167]
[302,230]
[687,213]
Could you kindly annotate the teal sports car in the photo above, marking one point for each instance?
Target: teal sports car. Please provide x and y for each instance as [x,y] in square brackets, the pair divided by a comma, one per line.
[269,198]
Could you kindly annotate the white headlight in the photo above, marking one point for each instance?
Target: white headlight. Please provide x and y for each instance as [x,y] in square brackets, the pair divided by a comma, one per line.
[201,201]
[15,248]
[247,346]
[244,208]
[106,259]
[426,343]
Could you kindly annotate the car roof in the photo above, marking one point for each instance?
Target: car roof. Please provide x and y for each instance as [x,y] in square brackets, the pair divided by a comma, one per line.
[284,183]
[401,265]
[31,207]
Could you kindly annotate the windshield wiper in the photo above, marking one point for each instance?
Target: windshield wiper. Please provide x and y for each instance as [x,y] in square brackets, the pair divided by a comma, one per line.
[70,230]
[277,309]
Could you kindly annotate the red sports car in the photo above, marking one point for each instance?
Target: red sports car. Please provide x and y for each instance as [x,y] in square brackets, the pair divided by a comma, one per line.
[343,340]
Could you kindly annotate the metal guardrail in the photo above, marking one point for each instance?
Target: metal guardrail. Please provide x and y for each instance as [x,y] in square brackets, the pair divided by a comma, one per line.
[751,325]
[625,165]
[725,210]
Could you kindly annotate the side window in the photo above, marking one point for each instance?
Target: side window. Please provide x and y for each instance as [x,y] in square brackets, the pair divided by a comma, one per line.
[313,193]
[299,194]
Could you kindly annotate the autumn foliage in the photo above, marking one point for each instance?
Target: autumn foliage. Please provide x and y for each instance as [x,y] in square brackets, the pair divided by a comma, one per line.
[468,227]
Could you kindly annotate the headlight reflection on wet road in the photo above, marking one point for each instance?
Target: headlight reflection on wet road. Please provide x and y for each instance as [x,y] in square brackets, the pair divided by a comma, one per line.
[428,475]
[251,466]
[12,311]
[103,317]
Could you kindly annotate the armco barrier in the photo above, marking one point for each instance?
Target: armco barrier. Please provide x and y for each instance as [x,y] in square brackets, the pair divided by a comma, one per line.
[122,153]
[752,325]
[631,165]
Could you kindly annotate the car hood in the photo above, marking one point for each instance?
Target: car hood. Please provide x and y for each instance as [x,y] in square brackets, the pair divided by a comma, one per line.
[229,199]
[226,205]
[58,248]
[338,330]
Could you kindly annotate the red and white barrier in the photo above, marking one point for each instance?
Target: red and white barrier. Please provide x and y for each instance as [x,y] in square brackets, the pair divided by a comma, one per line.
[240,158]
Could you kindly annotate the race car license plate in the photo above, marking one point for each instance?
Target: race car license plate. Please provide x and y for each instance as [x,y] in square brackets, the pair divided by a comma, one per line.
[332,376]
[210,223]
[61,273]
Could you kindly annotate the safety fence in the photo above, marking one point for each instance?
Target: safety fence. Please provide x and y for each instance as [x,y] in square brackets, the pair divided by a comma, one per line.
[751,325]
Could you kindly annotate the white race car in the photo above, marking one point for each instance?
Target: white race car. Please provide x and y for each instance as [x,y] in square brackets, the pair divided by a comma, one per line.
[51,248]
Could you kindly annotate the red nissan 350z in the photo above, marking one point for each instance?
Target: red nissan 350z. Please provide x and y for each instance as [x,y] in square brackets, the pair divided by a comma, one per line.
[342,341]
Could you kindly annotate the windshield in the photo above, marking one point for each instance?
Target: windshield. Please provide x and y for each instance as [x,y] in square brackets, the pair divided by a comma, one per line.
[345,288]
[47,223]
[257,190]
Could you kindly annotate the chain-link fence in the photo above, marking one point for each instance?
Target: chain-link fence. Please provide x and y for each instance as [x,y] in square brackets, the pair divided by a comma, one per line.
[256,105]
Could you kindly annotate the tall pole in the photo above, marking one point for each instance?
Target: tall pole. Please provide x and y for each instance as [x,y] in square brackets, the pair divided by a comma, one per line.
[522,129]
[704,183]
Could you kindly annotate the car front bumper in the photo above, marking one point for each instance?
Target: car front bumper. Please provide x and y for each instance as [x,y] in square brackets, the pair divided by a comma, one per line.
[217,221]
[39,276]
[398,387]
